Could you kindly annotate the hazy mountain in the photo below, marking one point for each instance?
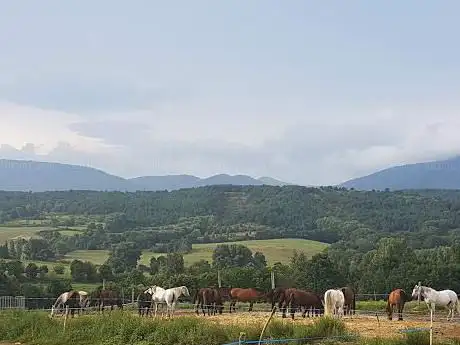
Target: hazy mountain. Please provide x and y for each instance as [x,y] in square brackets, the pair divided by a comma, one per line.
[443,174]
[272,181]
[36,176]
[42,176]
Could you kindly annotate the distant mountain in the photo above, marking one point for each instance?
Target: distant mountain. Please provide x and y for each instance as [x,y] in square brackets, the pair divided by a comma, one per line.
[443,174]
[21,175]
[272,182]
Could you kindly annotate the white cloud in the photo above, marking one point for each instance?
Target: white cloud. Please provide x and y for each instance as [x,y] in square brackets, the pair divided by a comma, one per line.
[325,150]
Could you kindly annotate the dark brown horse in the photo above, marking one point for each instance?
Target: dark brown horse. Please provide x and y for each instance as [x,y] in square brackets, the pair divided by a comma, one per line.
[211,299]
[397,298]
[250,295]
[278,295]
[144,303]
[104,298]
[350,300]
[309,301]
[72,303]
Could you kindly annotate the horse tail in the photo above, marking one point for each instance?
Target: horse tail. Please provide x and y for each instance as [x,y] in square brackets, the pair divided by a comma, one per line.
[327,302]
[195,296]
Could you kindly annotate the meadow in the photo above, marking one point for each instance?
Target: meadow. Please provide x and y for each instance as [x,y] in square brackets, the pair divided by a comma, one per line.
[279,250]
[9,232]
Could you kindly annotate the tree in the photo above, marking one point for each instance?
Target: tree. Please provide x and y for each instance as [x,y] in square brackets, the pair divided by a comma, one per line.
[59,269]
[174,263]
[123,257]
[105,271]
[31,270]
[83,271]
[43,270]
[154,265]
[259,260]
[234,255]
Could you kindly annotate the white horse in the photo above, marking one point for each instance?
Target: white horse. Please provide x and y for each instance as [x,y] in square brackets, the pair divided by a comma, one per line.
[157,296]
[172,295]
[444,298]
[334,301]
[63,297]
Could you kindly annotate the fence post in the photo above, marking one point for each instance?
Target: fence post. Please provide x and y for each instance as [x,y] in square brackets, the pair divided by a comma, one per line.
[431,326]
[219,280]
[103,284]
[132,295]
[272,276]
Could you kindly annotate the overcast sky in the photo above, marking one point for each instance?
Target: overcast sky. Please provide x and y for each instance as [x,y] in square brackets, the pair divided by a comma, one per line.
[310,92]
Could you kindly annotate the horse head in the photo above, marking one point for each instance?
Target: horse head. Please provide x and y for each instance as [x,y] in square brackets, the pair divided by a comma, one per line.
[151,290]
[184,291]
[417,291]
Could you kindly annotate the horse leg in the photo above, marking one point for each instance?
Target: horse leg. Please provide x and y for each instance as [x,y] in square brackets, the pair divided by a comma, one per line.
[400,311]
[250,306]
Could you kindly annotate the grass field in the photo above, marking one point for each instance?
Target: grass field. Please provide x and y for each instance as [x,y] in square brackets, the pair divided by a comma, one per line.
[36,327]
[9,232]
[274,250]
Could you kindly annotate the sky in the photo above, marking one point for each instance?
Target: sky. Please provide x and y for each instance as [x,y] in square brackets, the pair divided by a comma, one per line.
[309,92]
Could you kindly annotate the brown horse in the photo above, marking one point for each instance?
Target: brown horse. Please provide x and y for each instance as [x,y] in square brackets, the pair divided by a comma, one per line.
[279,295]
[103,298]
[397,298]
[211,299]
[144,303]
[308,300]
[250,295]
[72,303]
[350,300]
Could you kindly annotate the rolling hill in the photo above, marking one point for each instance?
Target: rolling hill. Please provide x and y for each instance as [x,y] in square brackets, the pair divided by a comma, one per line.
[22,175]
[443,174]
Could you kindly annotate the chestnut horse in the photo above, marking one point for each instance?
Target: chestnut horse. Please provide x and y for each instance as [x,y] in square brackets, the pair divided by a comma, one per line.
[250,295]
[397,298]
[303,299]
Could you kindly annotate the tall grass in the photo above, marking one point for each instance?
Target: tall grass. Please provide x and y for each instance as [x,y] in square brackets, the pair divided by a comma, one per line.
[126,328]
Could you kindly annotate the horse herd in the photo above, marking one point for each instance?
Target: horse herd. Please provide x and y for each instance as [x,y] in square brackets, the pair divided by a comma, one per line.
[334,302]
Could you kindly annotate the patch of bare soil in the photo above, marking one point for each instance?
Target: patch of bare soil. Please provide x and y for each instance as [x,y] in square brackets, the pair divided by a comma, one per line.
[365,326]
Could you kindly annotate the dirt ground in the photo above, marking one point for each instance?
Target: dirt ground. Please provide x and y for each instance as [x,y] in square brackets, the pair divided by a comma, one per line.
[366,326]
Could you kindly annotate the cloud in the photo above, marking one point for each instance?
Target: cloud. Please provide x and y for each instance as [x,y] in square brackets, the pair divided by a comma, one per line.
[83,95]
[327,150]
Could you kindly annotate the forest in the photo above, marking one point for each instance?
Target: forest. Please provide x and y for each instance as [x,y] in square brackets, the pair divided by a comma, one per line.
[379,239]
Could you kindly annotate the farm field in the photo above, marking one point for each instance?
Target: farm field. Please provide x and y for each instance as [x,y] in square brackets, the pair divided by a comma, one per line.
[274,250]
[9,232]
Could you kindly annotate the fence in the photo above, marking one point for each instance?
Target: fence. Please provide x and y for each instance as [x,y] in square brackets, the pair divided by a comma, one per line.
[12,302]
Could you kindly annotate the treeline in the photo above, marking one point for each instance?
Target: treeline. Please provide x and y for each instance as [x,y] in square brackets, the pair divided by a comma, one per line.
[159,220]
[393,264]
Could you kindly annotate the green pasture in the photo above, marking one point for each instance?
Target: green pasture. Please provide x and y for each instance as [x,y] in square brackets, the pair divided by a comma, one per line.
[9,232]
[279,250]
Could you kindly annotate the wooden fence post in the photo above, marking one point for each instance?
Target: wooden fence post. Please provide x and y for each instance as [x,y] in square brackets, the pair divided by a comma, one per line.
[431,326]
[272,276]
[219,280]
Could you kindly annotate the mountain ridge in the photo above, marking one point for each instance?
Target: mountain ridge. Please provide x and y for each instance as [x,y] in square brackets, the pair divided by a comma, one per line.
[37,176]
[435,174]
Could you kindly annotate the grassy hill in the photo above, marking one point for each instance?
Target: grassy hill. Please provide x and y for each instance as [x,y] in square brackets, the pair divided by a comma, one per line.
[274,250]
